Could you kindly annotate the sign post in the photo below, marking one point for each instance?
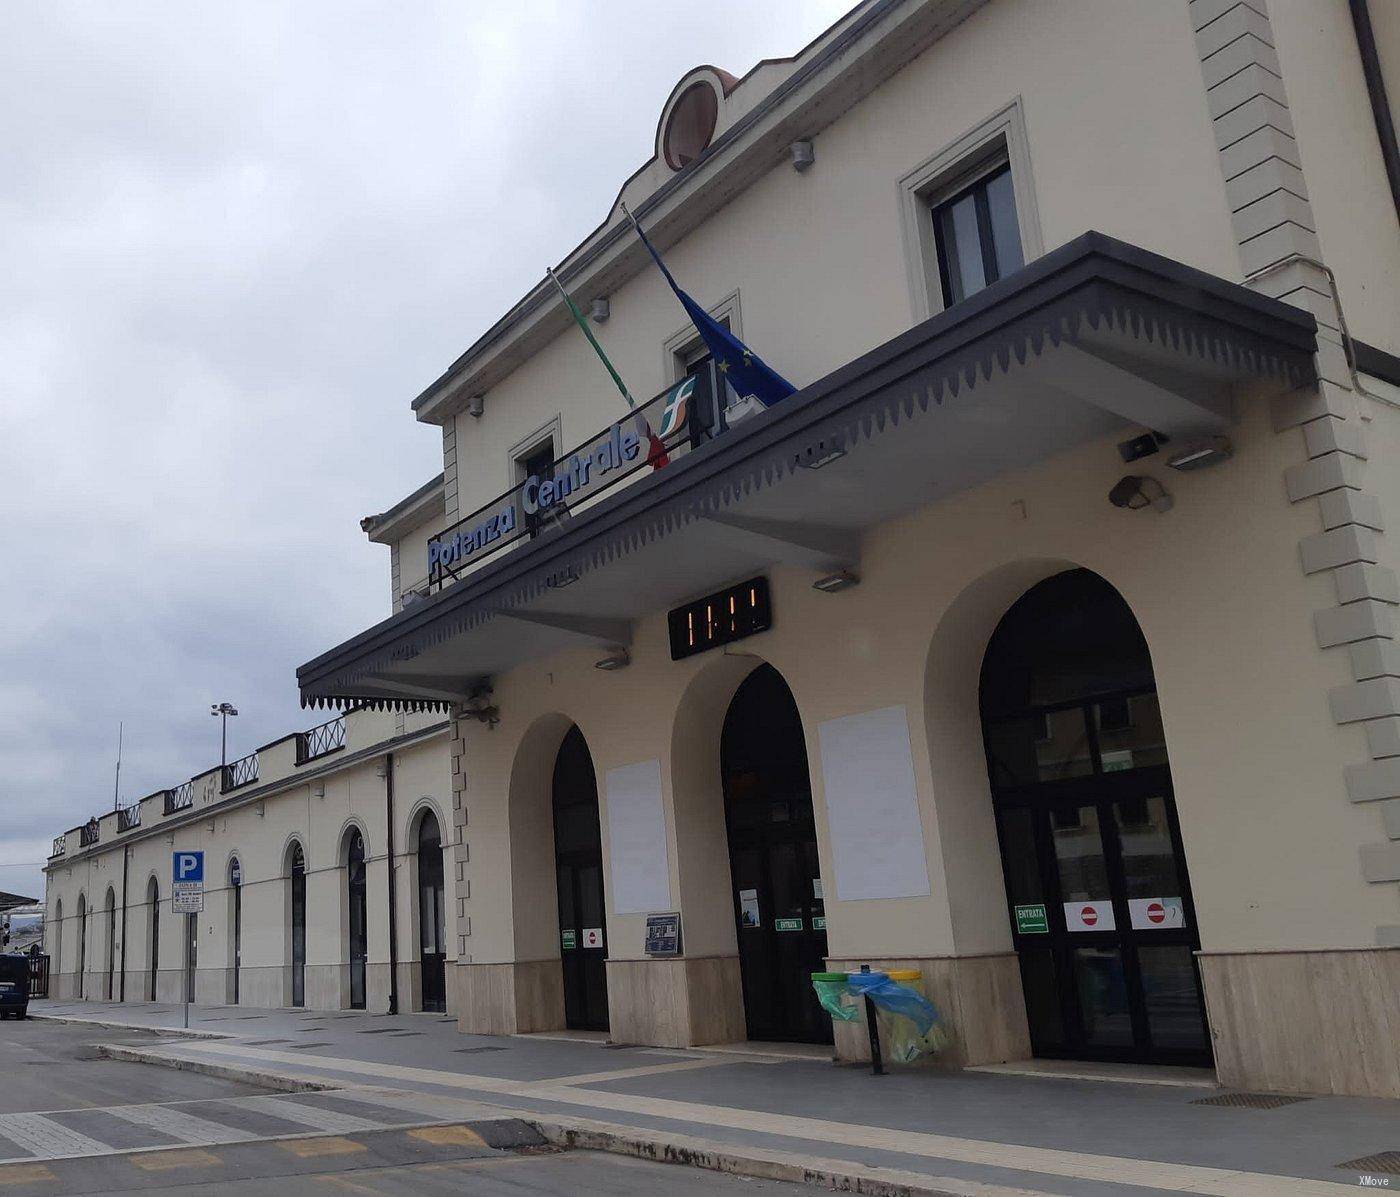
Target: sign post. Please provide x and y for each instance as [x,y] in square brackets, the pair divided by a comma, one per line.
[187,898]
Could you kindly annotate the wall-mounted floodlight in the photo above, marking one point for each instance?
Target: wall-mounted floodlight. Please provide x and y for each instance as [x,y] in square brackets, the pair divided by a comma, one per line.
[476,406]
[600,310]
[614,660]
[803,154]
[842,579]
[1200,455]
[1136,491]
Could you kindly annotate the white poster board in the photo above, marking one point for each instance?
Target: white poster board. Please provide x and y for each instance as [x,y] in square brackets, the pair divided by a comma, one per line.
[641,866]
[872,806]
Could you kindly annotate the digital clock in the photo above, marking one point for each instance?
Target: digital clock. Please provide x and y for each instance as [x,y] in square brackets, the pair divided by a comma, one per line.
[720,618]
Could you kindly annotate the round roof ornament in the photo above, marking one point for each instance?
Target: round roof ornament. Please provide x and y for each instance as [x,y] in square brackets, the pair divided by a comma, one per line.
[690,125]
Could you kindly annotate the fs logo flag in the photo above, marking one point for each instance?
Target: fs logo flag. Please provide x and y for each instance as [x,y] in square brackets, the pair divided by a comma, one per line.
[673,412]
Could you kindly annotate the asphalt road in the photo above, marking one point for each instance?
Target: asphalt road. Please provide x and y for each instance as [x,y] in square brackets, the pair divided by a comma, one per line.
[72,1122]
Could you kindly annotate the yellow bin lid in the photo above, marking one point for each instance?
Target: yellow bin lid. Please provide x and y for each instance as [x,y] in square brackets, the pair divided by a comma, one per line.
[905,974]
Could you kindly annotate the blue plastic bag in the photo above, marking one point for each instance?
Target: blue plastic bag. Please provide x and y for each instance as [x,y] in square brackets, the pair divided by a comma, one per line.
[895,998]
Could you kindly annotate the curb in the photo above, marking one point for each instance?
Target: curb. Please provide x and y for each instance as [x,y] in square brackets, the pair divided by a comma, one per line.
[112,1025]
[587,1134]
[282,1082]
[840,1176]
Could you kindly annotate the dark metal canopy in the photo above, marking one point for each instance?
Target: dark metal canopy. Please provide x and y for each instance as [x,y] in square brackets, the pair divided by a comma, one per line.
[1093,338]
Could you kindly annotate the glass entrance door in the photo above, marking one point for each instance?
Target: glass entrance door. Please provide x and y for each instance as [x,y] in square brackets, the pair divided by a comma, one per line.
[578,859]
[1098,896]
[779,911]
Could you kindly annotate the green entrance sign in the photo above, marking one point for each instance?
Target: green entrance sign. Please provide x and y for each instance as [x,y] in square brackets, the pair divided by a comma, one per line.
[1031,920]
[569,938]
[787,924]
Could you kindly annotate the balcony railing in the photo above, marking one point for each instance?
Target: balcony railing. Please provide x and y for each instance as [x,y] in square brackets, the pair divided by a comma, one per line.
[180,798]
[682,417]
[240,773]
[60,845]
[129,817]
[89,833]
[321,741]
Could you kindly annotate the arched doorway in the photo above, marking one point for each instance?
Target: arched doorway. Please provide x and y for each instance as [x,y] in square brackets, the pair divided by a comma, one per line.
[296,900]
[82,945]
[778,901]
[111,944]
[432,925]
[1096,881]
[153,901]
[235,889]
[578,864]
[357,909]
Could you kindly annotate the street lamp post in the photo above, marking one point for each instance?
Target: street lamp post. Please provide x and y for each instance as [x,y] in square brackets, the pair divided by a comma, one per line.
[222,710]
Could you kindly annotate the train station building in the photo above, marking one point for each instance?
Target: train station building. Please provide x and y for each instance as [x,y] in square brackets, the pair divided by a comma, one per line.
[1041,640]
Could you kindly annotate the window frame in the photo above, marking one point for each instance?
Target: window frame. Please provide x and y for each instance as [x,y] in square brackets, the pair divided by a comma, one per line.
[527,446]
[998,141]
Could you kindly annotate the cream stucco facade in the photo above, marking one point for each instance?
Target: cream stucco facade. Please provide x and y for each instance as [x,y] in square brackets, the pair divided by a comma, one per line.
[1196,186]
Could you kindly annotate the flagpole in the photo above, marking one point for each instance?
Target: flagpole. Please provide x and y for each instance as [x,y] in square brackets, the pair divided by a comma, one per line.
[582,322]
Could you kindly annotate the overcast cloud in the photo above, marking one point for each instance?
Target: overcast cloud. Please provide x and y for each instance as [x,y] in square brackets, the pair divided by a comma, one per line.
[235,241]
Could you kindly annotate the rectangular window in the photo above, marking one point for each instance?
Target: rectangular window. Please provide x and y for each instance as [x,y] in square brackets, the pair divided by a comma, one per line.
[977,236]
[537,463]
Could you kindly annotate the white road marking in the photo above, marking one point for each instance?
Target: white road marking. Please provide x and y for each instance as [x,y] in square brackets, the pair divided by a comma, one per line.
[180,1125]
[313,1116]
[45,1138]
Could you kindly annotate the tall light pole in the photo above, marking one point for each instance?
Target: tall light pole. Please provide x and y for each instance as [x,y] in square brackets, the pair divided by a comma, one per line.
[222,710]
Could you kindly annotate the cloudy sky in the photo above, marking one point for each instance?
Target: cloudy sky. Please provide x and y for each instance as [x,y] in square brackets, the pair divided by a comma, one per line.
[235,241]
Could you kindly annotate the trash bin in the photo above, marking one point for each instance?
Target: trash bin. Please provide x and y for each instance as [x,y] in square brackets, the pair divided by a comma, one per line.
[908,1021]
[834,993]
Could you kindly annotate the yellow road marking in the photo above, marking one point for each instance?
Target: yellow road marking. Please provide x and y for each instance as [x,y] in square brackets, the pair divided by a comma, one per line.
[448,1136]
[164,1161]
[311,1148]
[25,1174]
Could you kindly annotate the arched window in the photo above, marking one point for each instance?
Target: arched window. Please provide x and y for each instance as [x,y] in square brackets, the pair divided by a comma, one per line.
[153,901]
[357,906]
[432,925]
[296,882]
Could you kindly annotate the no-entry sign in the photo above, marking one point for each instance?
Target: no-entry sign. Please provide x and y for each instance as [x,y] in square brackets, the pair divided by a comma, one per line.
[1089,916]
[1151,914]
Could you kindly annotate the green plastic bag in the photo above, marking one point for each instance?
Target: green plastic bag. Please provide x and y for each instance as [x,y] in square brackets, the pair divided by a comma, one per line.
[835,996]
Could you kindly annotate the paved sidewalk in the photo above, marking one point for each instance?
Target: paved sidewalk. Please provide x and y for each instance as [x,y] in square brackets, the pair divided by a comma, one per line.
[943,1132]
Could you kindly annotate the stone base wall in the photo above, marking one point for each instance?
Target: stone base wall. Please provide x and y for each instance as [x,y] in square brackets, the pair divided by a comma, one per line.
[685,1002]
[979,998]
[516,998]
[1306,1022]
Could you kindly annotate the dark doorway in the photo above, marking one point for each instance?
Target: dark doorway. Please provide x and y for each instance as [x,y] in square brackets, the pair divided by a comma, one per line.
[297,884]
[357,898]
[111,944]
[191,954]
[578,862]
[1097,889]
[235,882]
[778,905]
[82,945]
[432,925]
[153,897]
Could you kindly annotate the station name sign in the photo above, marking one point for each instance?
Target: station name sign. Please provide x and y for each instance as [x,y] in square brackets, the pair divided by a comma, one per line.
[539,496]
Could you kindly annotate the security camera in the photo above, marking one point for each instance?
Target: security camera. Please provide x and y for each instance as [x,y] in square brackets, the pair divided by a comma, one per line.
[1135,491]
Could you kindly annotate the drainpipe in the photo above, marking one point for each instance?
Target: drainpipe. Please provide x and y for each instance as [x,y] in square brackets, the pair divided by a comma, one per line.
[126,862]
[1380,104]
[393,917]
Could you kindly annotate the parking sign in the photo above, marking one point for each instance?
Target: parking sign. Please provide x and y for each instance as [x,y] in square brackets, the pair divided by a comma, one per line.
[187,882]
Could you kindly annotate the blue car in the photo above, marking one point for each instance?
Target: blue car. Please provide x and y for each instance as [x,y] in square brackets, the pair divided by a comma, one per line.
[14,986]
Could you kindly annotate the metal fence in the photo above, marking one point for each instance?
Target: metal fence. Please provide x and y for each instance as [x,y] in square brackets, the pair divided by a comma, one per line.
[180,798]
[89,833]
[38,975]
[60,845]
[129,817]
[242,772]
[321,741]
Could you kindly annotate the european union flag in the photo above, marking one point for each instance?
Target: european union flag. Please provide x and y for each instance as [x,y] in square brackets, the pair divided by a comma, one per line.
[738,365]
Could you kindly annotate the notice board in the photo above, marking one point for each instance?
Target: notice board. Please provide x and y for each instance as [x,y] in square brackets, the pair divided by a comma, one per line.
[641,867]
[872,806]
